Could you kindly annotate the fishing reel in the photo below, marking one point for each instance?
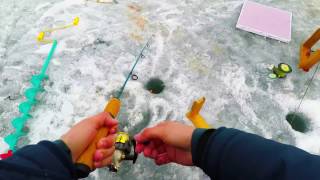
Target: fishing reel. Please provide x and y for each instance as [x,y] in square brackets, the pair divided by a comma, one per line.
[125,147]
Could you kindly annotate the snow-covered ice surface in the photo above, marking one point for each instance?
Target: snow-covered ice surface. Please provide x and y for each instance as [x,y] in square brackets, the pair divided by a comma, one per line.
[196,51]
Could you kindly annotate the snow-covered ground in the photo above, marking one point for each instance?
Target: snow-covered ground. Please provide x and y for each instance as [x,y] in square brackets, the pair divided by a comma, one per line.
[196,51]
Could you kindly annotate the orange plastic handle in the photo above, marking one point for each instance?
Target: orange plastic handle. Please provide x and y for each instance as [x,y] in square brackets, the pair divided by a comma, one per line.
[86,158]
[84,164]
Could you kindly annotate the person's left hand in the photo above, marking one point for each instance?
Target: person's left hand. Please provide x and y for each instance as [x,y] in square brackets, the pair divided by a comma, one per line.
[79,137]
[166,142]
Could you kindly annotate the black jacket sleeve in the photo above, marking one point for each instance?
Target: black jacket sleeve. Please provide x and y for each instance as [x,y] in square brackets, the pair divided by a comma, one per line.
[230,154]
[46,160]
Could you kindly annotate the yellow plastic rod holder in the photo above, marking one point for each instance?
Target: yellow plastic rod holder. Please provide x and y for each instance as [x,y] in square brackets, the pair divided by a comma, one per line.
[194,114]
[309,58]
[84,164]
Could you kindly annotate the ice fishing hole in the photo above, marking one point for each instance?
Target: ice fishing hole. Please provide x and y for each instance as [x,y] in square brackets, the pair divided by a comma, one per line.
[155,85]
[298,122]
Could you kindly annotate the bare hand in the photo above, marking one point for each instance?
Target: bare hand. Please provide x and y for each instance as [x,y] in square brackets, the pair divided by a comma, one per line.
[167,142]
[79,137]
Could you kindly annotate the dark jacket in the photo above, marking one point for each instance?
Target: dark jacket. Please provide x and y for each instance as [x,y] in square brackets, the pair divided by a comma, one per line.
[46,160]
[223,154]
[230,154]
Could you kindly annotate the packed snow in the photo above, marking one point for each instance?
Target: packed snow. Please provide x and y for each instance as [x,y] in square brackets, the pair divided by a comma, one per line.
[196,50]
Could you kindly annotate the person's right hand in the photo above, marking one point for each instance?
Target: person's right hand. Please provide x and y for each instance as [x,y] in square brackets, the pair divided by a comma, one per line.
[167,142]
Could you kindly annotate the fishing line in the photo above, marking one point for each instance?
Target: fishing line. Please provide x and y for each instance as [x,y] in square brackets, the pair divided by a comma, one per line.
[305,92]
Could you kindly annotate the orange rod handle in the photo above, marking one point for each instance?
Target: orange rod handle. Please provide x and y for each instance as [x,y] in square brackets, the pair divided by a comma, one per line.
[84,164]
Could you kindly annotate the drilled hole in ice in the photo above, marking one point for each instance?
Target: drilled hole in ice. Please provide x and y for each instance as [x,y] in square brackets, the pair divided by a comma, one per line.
[155,85]
[298,122]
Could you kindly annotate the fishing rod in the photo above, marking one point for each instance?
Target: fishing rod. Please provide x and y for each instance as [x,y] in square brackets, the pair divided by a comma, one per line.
[140,56]
[124,144]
